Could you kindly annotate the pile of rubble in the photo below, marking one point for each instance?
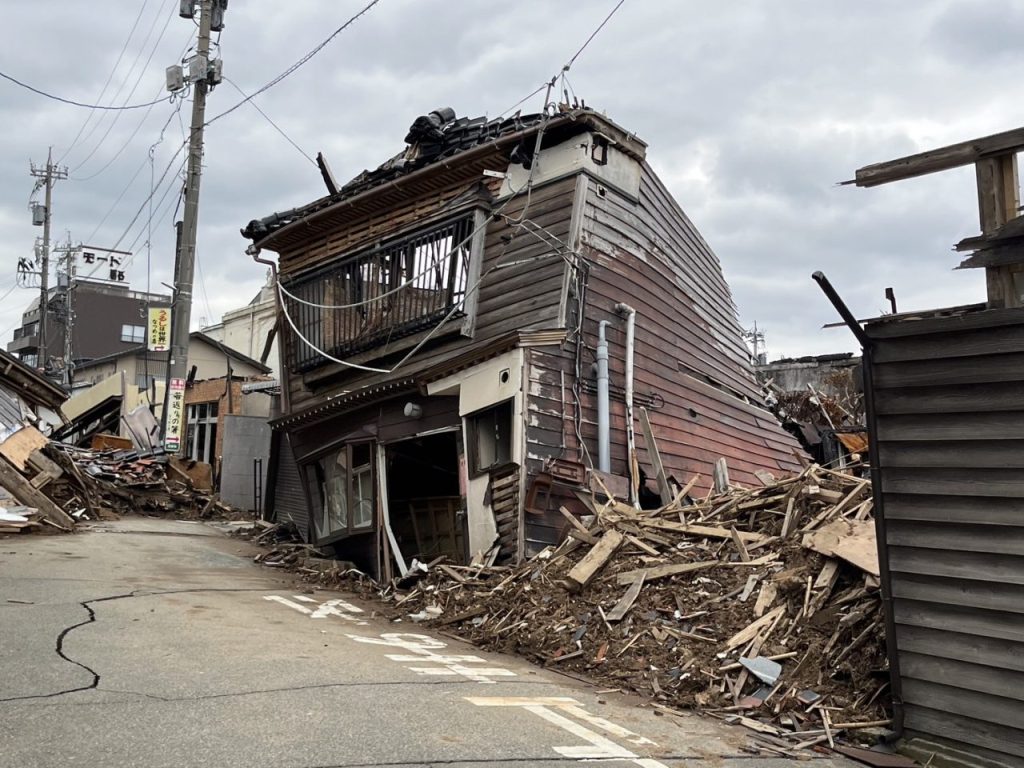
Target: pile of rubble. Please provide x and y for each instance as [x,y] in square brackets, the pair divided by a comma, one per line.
[760,606]
[118,482]
[46,485]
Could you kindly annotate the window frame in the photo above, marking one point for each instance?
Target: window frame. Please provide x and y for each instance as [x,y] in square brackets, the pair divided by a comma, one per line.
[133,334]
[474,466]
[201,417]
[317,497]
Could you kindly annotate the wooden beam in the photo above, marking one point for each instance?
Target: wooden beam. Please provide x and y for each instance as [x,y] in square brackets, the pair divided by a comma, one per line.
[586,569]
[942,159]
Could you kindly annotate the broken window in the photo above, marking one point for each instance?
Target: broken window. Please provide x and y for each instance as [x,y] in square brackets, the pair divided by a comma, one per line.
[342,490]
[398,288]
[490,437]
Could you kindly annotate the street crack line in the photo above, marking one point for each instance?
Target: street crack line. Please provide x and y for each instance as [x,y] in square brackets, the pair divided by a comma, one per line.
[87,605]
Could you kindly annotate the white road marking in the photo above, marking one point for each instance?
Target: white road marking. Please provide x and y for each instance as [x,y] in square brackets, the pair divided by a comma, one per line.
[425,649]
[598,747]
[340,608]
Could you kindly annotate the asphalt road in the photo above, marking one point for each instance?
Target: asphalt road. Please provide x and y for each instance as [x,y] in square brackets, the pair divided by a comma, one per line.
[157,643]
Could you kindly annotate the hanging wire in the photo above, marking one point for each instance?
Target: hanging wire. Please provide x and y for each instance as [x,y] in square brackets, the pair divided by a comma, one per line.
[274,125]
[297,64]
[110,77]
[135,85]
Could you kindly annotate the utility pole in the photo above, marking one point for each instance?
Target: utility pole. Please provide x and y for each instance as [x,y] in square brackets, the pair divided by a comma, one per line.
[202,75]
[70,253]
[48,176]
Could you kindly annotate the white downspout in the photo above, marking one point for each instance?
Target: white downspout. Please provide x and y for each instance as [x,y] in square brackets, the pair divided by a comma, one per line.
[604,441]
[634,476]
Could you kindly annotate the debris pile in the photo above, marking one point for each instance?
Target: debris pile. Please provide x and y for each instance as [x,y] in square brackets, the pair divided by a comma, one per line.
[757,605]
[53,485]
[118,482]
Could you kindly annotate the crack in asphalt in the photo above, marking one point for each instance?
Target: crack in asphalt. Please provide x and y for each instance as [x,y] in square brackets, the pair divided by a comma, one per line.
[87,605]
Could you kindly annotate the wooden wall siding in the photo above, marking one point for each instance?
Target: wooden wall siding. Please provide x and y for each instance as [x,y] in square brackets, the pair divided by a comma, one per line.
[520,297]
[549,431]
[949,404]
[650,257]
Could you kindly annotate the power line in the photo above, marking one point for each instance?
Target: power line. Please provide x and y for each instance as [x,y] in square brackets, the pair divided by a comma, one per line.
[275,126]
[73,103]
[133,178]
[135,86]
[593,34]
[297,64]
[125,144]
[103,90]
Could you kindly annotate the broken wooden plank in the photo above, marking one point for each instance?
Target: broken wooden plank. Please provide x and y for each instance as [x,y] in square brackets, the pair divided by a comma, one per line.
[736,540]
[664,489]
[721,476]
[704,531]
[621,608]
[19,446]
[642,545]
[850,540]
[765,598]
[21,489]
[586,569]
[664,571]
[751,631]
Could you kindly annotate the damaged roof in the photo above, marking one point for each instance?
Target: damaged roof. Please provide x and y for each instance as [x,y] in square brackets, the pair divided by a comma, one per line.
[29,384]
[440,135]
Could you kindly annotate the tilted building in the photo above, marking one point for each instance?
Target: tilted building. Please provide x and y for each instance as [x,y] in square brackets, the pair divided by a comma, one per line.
[442,320]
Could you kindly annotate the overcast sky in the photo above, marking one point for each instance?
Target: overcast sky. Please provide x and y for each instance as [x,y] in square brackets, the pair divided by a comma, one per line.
[753,110]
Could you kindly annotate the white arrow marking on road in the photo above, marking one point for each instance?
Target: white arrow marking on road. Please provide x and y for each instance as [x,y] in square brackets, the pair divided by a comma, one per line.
[425,649]
[598,747]
[339,608]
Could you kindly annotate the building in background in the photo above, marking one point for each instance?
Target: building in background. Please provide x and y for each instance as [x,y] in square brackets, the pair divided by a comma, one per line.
[251,329]
[144,369]
[109,319]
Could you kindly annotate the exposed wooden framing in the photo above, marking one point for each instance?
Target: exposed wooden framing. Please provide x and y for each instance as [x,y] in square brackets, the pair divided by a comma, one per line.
[998,200]
[942,159]
[995,162]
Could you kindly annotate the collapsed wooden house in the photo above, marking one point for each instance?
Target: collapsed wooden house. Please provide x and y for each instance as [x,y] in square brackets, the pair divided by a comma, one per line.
[481,325]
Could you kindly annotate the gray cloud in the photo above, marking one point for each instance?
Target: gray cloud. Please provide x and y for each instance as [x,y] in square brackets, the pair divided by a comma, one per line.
[753,112]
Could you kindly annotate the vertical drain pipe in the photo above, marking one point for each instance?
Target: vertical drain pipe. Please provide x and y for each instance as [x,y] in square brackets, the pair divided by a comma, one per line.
[604,440]
[634,479]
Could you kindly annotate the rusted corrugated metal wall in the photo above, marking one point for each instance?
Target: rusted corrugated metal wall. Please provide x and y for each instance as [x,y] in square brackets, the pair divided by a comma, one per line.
[948,407]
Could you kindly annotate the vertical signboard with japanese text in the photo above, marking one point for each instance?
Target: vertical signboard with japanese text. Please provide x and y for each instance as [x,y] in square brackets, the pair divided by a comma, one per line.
[159,329]
[175,416]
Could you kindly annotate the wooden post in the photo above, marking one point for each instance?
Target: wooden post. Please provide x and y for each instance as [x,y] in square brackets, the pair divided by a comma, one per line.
[998,201]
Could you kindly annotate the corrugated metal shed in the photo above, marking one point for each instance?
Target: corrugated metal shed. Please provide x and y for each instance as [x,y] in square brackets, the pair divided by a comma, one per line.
[947,400]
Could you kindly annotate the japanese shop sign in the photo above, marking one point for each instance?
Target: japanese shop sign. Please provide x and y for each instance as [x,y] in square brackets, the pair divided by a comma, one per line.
[175,416]
[159,329]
